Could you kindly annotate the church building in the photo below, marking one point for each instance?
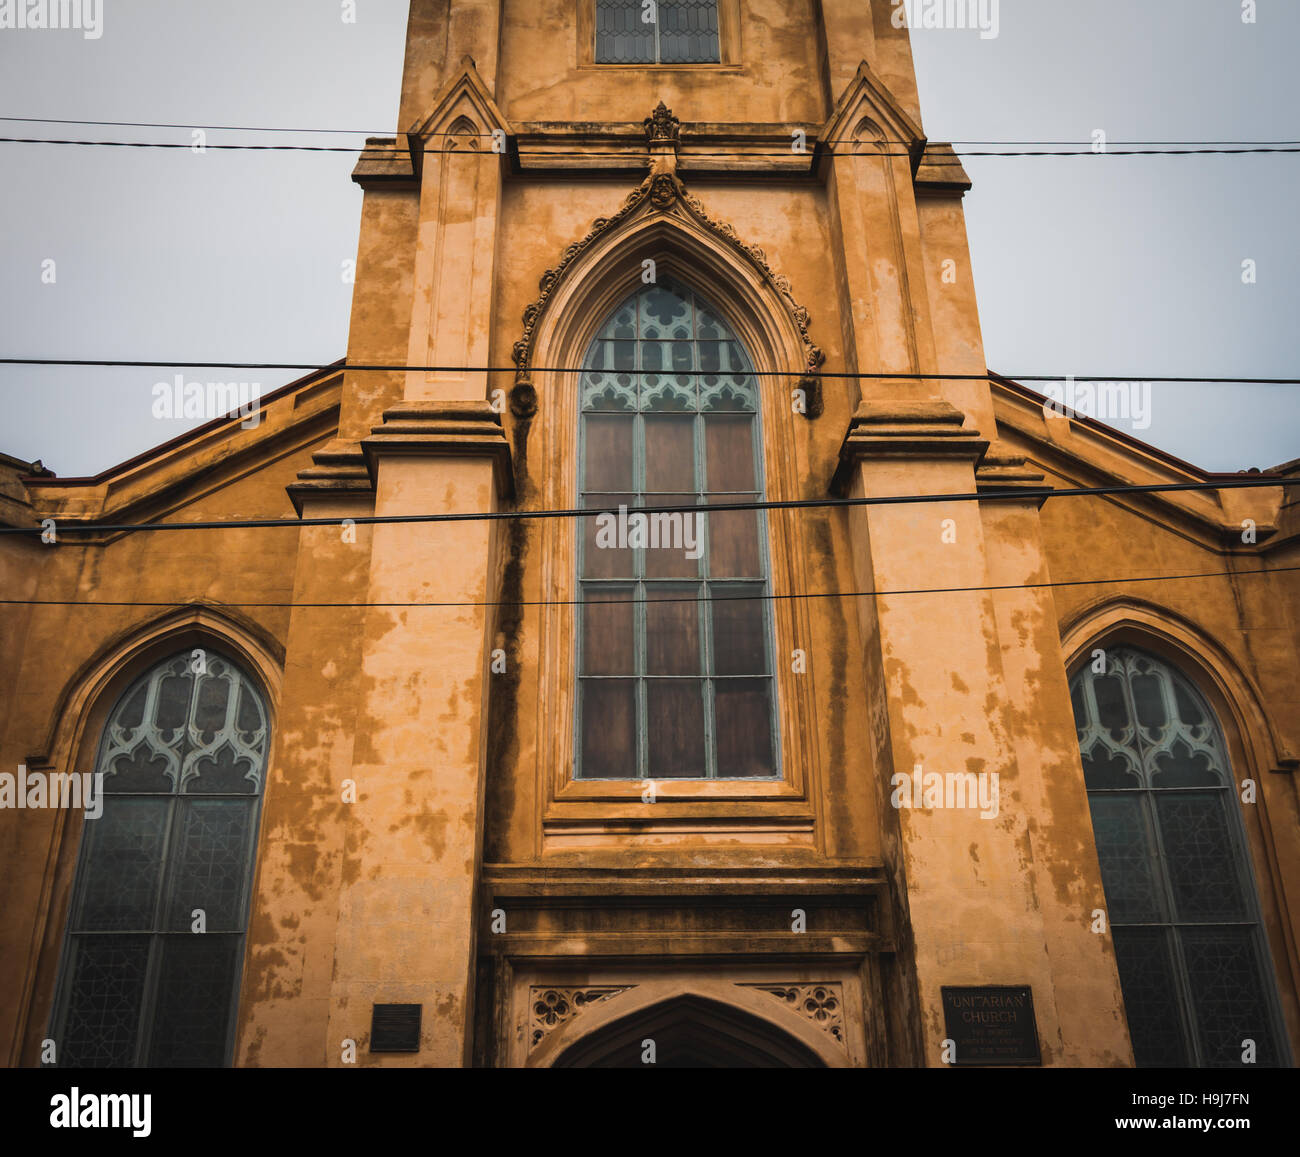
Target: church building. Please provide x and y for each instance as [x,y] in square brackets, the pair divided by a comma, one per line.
[489,745]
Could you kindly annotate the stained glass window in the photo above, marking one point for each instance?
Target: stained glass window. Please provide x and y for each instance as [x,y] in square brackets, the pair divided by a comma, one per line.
[1193,961]
[657,32]
[674,642]
[183,758]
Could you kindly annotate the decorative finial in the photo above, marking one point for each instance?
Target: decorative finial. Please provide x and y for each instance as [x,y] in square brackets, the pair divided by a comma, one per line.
[661,127]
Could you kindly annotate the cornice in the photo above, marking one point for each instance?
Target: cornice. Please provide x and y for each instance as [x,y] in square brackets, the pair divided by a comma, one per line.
[436,428]
[931,429]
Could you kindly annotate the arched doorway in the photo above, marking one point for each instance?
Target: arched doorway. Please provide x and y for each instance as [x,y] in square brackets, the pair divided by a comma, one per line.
[689,1032]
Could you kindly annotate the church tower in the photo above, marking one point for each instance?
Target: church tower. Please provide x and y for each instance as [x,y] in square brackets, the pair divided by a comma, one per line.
[599,788]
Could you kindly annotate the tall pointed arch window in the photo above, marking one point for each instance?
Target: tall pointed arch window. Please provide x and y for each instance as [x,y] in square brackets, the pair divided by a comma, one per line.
[674,634]
[145,979]
[1193,961]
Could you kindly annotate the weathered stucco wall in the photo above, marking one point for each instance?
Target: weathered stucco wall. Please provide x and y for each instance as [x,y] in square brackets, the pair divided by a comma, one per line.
[422,838]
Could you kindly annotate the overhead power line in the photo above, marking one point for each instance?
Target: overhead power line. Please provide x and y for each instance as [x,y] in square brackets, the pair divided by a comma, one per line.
[562,154]
[390,132]
[1022,495]
[639,602]
[852,375]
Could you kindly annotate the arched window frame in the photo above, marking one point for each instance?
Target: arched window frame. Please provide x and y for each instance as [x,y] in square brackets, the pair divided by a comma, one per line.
[1131,628]
[598,274]
[85,707]
[731,391]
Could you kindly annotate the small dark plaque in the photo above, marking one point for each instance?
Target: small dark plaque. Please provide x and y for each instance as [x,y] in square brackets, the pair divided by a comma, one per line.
[395,1028]
[992,1025]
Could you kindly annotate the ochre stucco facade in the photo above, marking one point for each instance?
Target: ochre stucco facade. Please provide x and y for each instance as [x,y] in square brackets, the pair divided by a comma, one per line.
[470,872]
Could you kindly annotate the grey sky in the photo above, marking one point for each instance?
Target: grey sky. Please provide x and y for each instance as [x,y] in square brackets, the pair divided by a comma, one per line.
[1083,265]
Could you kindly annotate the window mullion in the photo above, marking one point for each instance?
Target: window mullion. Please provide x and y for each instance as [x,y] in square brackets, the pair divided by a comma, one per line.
[704,589]
[157,937]
[640,645]
[1183,993]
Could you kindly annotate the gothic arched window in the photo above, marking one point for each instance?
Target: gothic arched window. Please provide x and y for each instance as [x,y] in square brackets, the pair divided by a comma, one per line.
[674,634]
[1193,961]
[159,909]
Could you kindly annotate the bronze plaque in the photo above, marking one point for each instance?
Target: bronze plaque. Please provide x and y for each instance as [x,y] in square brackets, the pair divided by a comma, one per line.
[992,1025]
[395,1028]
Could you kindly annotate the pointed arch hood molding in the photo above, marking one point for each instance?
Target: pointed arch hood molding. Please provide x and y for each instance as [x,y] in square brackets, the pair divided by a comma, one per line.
[661,220]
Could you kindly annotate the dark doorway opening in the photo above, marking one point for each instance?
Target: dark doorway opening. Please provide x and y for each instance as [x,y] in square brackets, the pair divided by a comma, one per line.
[689,1032]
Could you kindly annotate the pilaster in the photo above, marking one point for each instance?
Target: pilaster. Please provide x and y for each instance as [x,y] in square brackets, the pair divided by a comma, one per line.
[975,902]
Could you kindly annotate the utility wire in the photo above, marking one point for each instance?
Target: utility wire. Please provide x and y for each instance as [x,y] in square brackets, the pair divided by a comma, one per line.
[853,375]
[685,154]
[389,132]
[1251,482]
[637,602]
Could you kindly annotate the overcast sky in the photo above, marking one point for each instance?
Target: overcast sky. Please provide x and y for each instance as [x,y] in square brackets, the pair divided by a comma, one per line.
[1090,265]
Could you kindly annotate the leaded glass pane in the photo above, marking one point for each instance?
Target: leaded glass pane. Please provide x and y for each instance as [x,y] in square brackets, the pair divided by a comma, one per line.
[106,977]
[609,632]
[1125,848]
[173,700]
[210,710]
[124,849]
[688,31]
[1112,711]
[1180,766]
[672,631]
[1104,768]
[608,453]
[621,35]
[209,864]
[675,728]
[679,539]
[666,32]
[609,714]
[191,1021]
[739,638]
[687,435]
[1147,977]
[164,993]
[143,769]
[1203,873]
[743,709]
[1223,969]
[224,771]
[1188,939]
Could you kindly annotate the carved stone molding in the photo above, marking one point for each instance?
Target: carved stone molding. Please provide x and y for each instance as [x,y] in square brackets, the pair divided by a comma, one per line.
[337,470]
[665,192]
[662,127]
[1002,472]
[427,427]
[550,1007]
[929,429]
[823,1004]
